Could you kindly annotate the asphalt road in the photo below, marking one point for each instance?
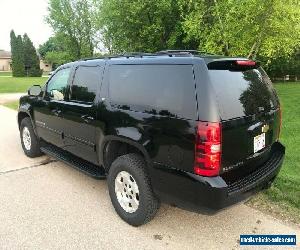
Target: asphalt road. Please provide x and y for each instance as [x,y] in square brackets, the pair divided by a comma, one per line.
[45,204]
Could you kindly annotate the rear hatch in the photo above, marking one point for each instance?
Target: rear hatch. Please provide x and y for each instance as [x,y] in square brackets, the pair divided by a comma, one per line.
[250,115]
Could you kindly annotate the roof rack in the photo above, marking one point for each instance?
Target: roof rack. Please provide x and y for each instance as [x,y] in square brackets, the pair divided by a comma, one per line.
[91,58]
[175,52]
[169,53]
[127,55]
[182,52]
[137,54]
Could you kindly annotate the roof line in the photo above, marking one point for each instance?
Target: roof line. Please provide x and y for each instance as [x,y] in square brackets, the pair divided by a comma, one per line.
[170,53]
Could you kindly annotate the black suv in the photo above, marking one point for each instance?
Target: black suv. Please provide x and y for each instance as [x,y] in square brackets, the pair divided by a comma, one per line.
[180,127]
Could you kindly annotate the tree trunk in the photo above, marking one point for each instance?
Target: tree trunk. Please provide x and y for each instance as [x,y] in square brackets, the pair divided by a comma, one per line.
[252,50]
[226,46]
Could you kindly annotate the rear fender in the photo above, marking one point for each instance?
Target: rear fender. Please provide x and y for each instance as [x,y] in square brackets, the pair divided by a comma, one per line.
[129,140]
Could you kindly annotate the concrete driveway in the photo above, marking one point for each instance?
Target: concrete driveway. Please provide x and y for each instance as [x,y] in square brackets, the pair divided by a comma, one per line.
[46,204]
[4,98]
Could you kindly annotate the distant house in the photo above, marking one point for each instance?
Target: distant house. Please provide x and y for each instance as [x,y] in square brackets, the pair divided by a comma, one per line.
[46,67]
[5,62]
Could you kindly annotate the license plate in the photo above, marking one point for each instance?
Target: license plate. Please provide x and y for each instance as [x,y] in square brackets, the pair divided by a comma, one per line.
[259,142]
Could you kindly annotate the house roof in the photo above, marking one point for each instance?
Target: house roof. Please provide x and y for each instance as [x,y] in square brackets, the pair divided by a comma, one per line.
[5,54]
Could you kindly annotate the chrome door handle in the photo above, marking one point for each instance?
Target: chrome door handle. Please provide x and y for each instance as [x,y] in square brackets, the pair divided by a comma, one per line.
[87,118]
[56,112]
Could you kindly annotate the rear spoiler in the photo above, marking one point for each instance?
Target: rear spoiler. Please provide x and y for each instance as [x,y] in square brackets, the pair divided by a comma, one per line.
[233,64]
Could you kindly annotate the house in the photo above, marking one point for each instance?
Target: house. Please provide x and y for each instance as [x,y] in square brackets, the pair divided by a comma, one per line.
[46,67]
[5,62]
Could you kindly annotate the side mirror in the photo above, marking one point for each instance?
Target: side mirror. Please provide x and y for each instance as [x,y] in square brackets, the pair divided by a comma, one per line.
[35,90]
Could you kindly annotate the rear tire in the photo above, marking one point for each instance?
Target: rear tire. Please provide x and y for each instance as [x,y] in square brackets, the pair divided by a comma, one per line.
[30,142]
[130,190]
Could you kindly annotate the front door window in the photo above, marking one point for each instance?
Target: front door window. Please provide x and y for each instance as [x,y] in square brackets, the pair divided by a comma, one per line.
[57,86]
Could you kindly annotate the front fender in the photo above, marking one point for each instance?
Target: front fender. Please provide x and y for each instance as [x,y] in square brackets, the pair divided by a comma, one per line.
[25,109]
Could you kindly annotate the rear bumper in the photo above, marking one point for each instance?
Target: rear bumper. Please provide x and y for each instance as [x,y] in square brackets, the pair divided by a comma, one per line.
[193,192]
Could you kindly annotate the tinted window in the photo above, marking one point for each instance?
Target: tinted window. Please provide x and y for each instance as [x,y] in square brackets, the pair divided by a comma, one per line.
[85,83]
[243,93]
[157,89]
[57,86]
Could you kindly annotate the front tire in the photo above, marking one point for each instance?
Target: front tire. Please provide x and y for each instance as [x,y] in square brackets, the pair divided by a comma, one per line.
[130,190]
[29,140]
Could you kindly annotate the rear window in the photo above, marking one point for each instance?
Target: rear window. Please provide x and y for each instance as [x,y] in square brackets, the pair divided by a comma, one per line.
[167,90]
[243,93]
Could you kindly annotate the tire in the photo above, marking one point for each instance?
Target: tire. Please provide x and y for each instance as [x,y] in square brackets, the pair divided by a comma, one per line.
[30,142]
[138,183]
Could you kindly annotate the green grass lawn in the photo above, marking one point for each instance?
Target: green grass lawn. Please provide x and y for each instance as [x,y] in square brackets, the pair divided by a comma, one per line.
[12,105]
[19,84]
[5,73]
[9,73]
[283,197]
[287,186]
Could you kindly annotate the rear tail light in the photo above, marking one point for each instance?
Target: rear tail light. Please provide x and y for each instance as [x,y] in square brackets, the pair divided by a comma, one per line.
[208,149]
[245,63]
[233,65]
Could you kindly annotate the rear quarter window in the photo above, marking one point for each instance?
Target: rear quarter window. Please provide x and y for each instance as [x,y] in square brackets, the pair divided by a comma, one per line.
[167,90]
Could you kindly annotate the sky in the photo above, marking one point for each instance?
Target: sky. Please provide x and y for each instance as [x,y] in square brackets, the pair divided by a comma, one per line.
[23,16]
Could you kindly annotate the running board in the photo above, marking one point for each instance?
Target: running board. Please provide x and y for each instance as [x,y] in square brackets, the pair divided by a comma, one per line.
[74,161]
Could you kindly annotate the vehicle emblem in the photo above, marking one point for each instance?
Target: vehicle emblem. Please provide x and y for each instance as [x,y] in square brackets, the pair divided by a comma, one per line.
[265,128]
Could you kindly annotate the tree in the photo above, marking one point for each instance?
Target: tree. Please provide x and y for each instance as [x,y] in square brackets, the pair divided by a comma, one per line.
[283,65]
[249,28]
[25,61]
[263,30]
[54,52]
[49,46]
[73,22]
[150,25]
[57,58]
[31,59]
[16,43]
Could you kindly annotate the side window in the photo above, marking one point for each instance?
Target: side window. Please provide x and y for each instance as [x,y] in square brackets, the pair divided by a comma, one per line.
[167,90]
[85,84]
[57,86]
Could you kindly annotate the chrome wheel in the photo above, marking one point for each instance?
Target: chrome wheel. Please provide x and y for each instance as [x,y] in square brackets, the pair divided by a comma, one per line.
[127,192]
[26,138]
